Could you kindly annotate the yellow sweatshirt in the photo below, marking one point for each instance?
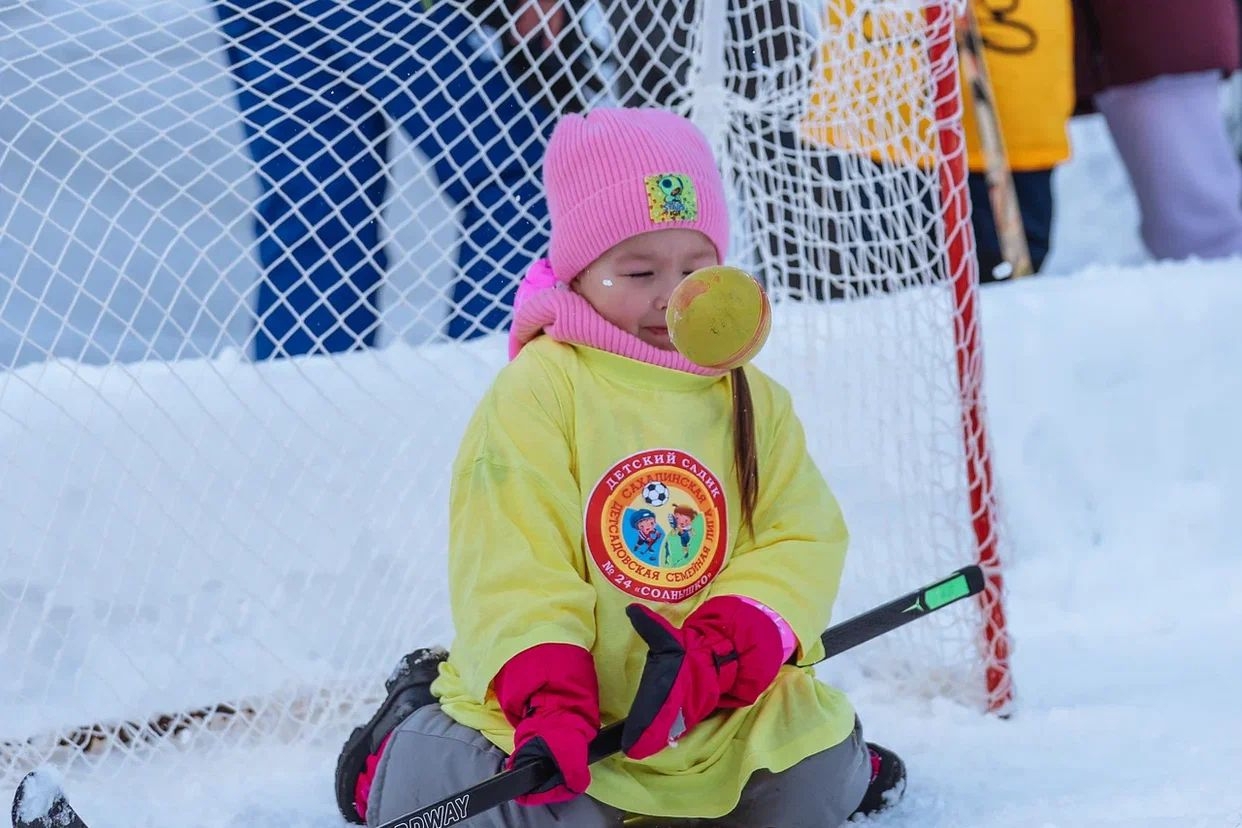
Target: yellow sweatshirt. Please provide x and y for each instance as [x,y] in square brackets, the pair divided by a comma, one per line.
[587,481]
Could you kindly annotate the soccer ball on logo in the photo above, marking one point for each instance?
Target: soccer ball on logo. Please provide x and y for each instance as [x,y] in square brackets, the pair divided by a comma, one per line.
[655,493]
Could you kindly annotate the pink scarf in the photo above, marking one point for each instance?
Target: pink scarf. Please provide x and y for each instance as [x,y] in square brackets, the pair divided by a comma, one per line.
[545,304]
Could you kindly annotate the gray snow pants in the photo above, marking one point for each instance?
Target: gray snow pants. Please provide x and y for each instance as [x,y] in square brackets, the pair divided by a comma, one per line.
[430,757]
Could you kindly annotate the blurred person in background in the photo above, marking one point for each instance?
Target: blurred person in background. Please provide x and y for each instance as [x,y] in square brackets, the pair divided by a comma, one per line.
[768,55]
[1029,53]
[1153,68]
[876,112]
[321,84]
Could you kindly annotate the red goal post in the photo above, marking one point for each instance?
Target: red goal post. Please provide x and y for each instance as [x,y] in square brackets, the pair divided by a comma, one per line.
[985,521]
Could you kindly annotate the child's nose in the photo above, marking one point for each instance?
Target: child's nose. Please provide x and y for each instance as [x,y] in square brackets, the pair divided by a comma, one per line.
[667,285]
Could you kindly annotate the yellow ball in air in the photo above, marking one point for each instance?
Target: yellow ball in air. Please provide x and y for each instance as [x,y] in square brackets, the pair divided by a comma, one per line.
[719,317]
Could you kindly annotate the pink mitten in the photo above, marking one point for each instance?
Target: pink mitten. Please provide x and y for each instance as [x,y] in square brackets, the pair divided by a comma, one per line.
[550,694]
[725,655]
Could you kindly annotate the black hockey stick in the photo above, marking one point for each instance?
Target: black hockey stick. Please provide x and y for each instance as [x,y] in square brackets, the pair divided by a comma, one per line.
[52,809]
[837,639]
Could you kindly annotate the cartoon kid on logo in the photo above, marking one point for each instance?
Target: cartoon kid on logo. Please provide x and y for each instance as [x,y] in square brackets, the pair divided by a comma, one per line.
[682,522]
[647,536]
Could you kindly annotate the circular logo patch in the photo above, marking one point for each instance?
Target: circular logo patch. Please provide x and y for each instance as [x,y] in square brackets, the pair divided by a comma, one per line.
[656,525]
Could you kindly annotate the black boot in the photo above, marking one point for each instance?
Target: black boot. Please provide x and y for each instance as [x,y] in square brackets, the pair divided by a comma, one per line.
[888,781]
[409,688]
[40,803]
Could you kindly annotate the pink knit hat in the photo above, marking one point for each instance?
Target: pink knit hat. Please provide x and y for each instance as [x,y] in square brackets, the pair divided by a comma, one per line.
[614,173]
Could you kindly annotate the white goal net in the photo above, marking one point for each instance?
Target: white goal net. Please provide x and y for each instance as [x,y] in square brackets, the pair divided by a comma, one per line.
[256,259]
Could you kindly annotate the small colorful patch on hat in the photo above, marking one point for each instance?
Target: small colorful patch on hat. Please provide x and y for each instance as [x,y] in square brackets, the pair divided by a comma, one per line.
[671,197]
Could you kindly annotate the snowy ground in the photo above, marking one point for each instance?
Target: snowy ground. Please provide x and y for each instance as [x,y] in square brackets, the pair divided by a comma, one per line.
[1113,388]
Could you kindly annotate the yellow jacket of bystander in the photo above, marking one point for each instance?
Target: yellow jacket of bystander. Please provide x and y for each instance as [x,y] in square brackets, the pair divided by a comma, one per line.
[872,95]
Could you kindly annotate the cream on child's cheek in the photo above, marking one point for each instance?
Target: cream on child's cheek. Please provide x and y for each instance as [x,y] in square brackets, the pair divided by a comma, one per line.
[606,283]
